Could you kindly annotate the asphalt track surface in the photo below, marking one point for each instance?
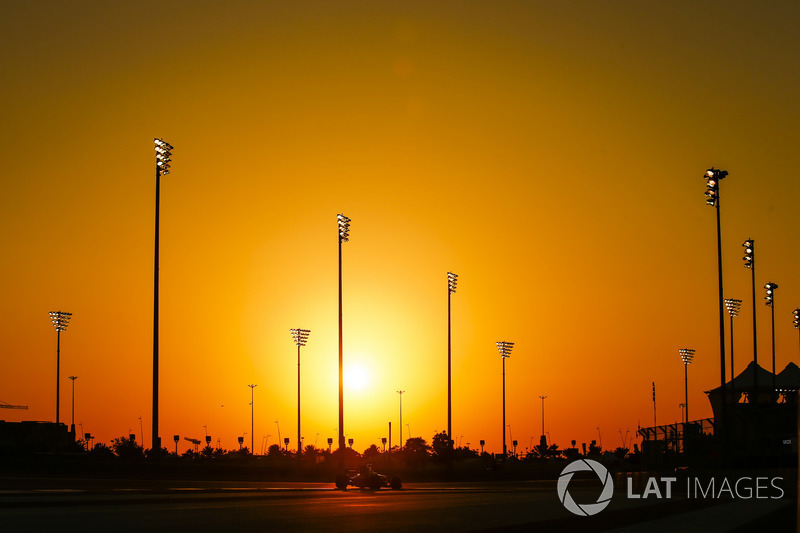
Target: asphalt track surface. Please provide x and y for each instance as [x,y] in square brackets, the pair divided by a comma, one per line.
[143,506]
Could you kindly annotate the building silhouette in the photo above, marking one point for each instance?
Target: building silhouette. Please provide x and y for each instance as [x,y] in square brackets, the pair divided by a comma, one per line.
[754,424]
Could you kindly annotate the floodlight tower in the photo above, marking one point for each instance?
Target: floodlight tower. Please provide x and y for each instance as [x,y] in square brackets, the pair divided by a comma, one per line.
[543,398]
[400,392]
[72,426]
[733,306]
[713,176]
[687,354]
[163,158]
[750,262]
[344,236]
[770,301]
[252,416]
[300,337]
[452,281]
[796,321]
[504,348]
[60,320]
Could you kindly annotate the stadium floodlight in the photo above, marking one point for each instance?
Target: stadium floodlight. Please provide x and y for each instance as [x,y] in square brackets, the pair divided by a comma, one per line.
[687,355]
[796,321]
[770,297]
[452,281]
[713,177]
[163,158]
[749,253]
[300,337]
[504,347]
[252,419]
[344,236]
[733,306]
[750,263]
[344,228]
[770,301]
[60,320]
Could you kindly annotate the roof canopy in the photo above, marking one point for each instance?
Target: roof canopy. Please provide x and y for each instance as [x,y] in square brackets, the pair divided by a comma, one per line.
[756,377]
[789,377]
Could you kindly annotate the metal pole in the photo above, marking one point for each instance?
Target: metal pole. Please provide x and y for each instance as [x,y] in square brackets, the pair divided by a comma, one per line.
[504,406]
[542,397]
[252,418]
[73,378]
[686,390]
[720,425]
[655,423]
[299,450]
[58,372]
[155,443]
[772,306]
[732,369]
[721,304]
[401,418]
[449,370]
[341,368]
[755,329]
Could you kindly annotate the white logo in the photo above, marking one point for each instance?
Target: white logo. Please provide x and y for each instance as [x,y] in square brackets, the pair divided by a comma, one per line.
[584,465]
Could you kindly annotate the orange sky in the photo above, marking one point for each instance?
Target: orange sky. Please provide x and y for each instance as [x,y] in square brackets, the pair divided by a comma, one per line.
[549,153]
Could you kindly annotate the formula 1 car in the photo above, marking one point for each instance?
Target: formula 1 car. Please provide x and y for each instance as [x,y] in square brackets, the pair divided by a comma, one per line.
[366,478]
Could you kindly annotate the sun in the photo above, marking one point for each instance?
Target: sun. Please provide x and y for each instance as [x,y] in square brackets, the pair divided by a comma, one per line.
[356,377]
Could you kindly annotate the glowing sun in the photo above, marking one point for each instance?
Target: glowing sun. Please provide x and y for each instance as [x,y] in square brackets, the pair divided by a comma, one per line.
[356,377]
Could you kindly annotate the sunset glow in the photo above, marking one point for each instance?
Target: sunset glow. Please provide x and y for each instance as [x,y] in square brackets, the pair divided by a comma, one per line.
[550,153]
[356,378]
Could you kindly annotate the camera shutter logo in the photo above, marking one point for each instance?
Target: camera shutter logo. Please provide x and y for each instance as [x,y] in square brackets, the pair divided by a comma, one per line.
[587,509]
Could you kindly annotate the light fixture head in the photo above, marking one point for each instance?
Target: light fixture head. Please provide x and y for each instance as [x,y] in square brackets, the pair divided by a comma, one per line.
[687,354]
[344,228]
[770,297]
[452,281]
[749,253]
[715,174]
[713,177]
[60,319]
[733,306]
[163,155]
[300,336]
[504,348]
[796,321]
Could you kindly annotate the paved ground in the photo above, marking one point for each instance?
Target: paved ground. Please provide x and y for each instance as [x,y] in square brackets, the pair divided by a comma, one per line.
[144,506]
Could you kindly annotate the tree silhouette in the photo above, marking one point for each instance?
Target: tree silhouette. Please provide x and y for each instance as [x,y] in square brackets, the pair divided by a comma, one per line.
[416,451]
[127,449]
[465,453]
[207,452]
[443,451]
[190,454]
[311,452]
[543,451]
[276,451]
[371,452]
[101,451]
